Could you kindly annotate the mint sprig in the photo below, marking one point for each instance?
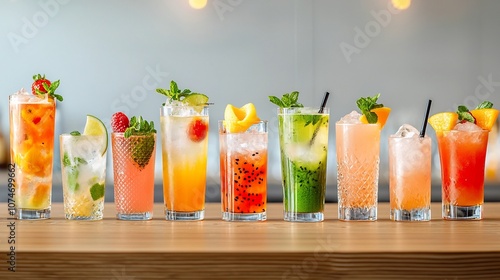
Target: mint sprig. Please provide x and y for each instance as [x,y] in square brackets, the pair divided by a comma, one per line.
[139,126]
[366,104]
[288,100]
[174,93]
[464,113]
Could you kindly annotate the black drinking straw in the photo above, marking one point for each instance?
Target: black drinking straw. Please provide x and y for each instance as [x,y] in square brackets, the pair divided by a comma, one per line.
[321,109]
[323,103]
[424,125]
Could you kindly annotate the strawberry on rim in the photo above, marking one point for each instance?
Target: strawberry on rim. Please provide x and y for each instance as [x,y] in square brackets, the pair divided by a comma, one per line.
[42,86]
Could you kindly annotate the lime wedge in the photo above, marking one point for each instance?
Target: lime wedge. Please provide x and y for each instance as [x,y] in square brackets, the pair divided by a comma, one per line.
[196,99]
[96,127]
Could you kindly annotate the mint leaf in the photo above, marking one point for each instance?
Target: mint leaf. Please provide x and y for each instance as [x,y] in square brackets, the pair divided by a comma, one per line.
[80,160]
[371,117]
[97,191]
[139,126]
[288,100]
[276,101]
[464,114]
[366,104]
[485,105]
[66,162]
[75,133]
[311,119]
[73,179]
[174,93]
[462,109]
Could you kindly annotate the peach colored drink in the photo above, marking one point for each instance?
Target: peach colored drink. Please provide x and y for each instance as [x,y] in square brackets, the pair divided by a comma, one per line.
[410,178]
[133,168]
[184,131]
[32,121]
[358,147]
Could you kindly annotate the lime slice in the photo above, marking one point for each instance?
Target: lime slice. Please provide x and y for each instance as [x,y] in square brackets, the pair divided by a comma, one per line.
[96,127]
[196,99]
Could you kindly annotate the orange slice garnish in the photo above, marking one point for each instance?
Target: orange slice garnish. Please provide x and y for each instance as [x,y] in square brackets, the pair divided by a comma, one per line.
[485,118]
[445,121]
[382,114]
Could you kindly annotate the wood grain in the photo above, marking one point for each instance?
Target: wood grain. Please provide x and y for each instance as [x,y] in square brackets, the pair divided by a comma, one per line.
[214,249]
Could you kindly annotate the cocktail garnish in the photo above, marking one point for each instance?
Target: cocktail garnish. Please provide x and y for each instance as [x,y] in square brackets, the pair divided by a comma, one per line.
[465,115]
[42,86]
[185,95]
[288,100]
[366,105]
[240,119]
[143,148]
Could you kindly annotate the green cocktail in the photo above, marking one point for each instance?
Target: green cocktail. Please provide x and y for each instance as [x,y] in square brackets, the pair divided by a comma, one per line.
[303,134]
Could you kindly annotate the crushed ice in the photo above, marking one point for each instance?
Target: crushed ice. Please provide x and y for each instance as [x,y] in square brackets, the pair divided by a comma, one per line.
[351,118]
[407,131]
[467,126]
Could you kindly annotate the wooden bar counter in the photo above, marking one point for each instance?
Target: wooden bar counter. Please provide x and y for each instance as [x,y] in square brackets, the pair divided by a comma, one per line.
[214,249]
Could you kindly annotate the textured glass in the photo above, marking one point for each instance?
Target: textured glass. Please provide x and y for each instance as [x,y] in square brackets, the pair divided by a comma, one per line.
[133,169]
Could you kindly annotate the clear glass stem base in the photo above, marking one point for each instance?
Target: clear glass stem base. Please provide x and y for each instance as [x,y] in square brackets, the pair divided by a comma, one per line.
[455,212]
[184,216]
[358,214]
[244,217]
[303,217]
[419,214]
[135,216]
[31,214]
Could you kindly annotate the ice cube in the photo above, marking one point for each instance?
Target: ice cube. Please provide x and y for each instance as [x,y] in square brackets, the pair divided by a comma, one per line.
[467,126]
[407,131]
[23,96]
[351,118]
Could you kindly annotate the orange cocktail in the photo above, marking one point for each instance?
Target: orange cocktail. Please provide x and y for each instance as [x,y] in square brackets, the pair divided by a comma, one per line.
[133,168]
[462,155]
[358,147]
[32,120]
[410,175]
[243,172]
[184,131]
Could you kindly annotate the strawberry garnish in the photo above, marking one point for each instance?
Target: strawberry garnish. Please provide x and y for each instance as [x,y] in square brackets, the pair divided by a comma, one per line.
[119,122]
[42,86]
[198,130]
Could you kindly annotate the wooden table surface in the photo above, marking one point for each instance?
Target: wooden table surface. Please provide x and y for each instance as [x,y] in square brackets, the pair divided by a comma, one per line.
[275,249]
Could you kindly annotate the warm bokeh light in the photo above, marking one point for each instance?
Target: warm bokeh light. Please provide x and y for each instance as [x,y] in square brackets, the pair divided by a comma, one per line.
[197,4]
[401,4]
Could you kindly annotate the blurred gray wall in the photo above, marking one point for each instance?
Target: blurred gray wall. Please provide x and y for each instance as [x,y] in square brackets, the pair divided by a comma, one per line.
[111,55]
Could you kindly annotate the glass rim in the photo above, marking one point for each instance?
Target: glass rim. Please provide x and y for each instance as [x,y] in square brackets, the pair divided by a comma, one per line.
[393,136]
[81,135]
[123,134]
[326,110]
[353,124]
[259,122]
[184,106]
[466,131]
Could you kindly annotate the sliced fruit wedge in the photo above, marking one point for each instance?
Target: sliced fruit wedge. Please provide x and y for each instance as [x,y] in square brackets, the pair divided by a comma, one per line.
[382,114]
[445,121]
[485,118]
[240,119]
[196,99]
[96,127]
